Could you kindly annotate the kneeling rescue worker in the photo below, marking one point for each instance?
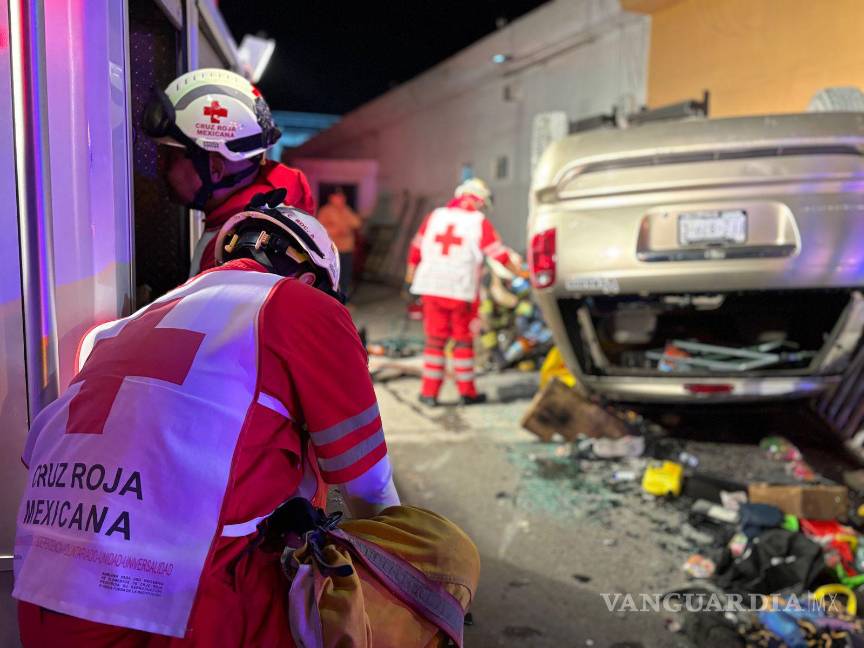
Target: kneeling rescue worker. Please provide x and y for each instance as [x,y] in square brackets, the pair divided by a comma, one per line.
[216,128]
[444,265]
[153,476]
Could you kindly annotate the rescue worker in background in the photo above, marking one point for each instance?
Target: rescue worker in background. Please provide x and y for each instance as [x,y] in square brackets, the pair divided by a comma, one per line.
[217,128]
[444,264]
[190,422]
[341,223]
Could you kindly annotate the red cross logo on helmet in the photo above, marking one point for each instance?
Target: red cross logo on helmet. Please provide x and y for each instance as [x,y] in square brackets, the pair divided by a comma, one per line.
[215,111]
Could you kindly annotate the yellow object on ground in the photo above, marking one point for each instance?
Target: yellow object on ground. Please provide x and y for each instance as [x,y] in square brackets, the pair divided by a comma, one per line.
[836,589]
[663,479]
[554,367]
[358,610]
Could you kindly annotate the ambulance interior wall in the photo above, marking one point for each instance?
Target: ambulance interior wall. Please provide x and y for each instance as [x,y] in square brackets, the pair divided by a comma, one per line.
[161,230]
[579,56]
[90,218]
[85,50]
[13,396]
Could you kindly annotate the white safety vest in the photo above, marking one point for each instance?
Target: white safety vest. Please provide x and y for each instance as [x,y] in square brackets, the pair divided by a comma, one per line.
[117,522]
[450,255]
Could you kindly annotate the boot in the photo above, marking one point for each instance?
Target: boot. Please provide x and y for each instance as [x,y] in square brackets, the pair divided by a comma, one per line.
[428,401]
[476,399]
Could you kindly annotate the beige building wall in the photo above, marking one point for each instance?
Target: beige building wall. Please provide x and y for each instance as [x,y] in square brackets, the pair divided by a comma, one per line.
[754,56]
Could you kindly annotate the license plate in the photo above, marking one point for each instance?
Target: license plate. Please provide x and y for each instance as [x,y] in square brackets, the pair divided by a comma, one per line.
[699,228]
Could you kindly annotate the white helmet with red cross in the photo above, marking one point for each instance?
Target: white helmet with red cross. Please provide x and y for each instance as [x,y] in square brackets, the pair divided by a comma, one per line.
[477,188]
[283,239]
[216,110]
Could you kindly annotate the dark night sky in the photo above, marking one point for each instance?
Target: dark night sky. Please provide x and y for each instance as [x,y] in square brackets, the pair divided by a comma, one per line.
[333,55]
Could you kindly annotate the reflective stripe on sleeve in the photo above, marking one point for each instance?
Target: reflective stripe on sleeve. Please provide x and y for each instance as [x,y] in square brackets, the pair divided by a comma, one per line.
[352,455]
[345,427]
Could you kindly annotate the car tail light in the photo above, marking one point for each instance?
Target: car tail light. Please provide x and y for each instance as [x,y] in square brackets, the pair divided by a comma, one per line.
[709,388]
[542,259]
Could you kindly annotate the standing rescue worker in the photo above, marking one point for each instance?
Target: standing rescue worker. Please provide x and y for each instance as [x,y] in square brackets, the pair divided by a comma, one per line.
[341,223]
[217,128]
[189,422]
[444,265]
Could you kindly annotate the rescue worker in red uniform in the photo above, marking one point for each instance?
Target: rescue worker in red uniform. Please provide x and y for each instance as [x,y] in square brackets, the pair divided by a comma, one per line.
[217,128]
[444,265]
[189,422]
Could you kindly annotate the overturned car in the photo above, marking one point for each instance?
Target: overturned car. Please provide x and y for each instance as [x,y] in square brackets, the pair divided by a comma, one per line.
[704,259]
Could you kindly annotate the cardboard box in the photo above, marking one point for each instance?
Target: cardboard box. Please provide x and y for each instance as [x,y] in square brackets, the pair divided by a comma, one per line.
[812,501]
[560,409]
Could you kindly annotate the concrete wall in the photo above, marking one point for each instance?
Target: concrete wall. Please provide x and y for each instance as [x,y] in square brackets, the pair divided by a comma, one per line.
[579,56]
[768,56]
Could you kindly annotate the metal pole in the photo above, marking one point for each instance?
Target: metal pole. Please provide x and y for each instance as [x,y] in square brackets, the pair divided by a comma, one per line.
[195,217]
[32,161]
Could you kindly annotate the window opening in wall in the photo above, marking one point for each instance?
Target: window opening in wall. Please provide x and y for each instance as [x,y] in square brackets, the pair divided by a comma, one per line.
[501,169]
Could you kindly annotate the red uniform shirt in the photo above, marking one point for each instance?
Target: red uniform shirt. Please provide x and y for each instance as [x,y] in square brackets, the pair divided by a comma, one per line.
[312,368]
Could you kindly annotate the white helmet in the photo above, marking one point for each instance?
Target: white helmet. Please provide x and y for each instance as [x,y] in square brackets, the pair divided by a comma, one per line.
[216,110]
[475,187]
[270,232]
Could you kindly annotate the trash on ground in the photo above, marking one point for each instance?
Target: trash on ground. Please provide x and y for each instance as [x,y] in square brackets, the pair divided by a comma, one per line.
[816,501]
[733,500]
[779,449]
[558,409]
[854,479]
[698,566]
[688,459]
[626,446]
[715,512]
[662,479]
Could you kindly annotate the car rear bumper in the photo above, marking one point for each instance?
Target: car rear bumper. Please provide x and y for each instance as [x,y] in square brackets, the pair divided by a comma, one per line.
[677,390]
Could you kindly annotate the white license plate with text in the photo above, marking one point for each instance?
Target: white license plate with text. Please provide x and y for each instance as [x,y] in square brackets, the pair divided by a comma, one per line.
[706,227]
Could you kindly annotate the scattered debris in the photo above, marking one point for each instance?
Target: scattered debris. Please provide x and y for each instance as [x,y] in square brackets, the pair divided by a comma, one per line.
[817,501]
[558,409]
[734,500]
[698,566]
[582,578]
[662,479]
[854,479]
[626,446]
[673,625]
[688,459]
[780,449]
[513,329]
[700,538]
[715,512]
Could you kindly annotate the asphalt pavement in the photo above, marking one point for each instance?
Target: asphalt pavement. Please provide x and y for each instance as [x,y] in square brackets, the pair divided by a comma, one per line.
[550,545]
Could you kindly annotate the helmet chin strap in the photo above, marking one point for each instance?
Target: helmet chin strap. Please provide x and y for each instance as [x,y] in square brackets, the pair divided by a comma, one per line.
[201,161]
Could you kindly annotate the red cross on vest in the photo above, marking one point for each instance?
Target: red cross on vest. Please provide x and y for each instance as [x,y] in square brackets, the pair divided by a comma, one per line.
[215,111]
[447,239]
[140,349]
